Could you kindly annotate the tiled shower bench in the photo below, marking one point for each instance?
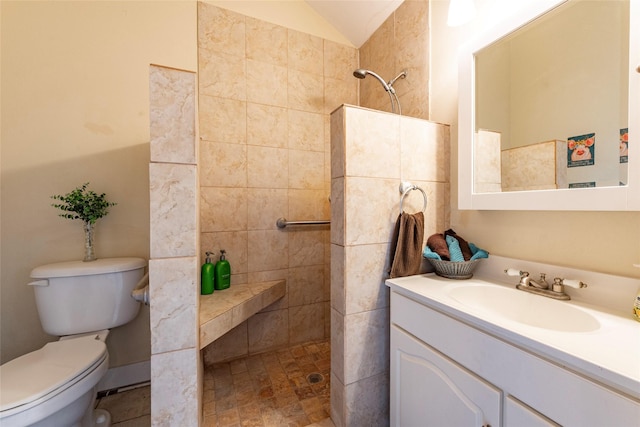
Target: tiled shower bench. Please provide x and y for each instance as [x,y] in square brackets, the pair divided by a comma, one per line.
[224,310]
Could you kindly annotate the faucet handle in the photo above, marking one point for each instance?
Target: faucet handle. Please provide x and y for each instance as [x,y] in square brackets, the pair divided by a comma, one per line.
[514,272]
[569,282]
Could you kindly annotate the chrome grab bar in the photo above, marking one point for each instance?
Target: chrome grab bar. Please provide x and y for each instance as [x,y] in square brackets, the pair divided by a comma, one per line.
[282,222]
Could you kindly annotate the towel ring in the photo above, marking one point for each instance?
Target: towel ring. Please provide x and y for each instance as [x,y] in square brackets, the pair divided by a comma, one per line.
[405,188]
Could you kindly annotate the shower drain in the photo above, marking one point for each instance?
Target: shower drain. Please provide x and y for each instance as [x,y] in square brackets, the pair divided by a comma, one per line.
[315,378]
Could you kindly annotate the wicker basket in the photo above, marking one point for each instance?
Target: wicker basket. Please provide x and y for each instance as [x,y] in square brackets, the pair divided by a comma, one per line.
[454,270]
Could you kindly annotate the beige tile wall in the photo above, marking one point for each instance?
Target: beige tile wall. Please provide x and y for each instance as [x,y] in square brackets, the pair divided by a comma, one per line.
[365,206]
[173,267]
[266,93]
[400,43]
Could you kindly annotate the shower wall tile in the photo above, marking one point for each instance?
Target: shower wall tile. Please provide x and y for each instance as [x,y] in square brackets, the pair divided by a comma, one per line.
[267,250]
[308,204]
[338,335]
[338,92]
[306,248]
[367,402]
[174,294]
[306,285]
[174,388]
[268,330]
[266,42]
[311,176]
[337,133]
[338,403]
[223,209]
[231,345]
[370,210]
[172,115]
[366,336]
[235,243]
[364,287]
[338,213]
[338,298]
[306,52]
[222,75]
[306,92]
[268,167]
[306,131]
[173,215]
[426,141]
[339,61]
[382,52]
[267,125]
[266,205]
[223,120]
[366,137]
[266,83]
[220,30]
[306,323]
[223,165]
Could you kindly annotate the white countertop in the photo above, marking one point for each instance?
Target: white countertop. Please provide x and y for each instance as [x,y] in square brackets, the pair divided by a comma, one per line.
[609,354]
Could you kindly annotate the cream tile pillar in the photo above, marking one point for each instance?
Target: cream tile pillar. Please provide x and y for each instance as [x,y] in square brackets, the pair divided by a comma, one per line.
[173,269]
[371,153]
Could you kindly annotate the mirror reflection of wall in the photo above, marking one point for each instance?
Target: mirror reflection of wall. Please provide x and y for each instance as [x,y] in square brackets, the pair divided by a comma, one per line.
[562,77]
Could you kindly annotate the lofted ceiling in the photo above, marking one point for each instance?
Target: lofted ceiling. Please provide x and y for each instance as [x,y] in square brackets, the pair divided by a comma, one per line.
[355,19]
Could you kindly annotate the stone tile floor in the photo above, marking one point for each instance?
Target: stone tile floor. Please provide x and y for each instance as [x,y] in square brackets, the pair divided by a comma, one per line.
[271,389]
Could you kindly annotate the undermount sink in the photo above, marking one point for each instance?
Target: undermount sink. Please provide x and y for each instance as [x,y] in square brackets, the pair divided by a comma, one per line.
[518,306]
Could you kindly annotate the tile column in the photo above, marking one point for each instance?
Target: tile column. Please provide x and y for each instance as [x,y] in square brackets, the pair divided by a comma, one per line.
[173,269]
[371,153]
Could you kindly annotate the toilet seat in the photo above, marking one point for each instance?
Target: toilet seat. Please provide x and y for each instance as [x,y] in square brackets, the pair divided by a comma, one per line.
[41,375]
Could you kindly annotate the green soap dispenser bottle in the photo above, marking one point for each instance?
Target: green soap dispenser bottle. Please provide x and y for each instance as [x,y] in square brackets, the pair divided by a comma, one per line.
[207,276]
[222,272]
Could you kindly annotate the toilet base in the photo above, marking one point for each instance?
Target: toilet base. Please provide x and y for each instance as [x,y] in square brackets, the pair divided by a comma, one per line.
[101,418]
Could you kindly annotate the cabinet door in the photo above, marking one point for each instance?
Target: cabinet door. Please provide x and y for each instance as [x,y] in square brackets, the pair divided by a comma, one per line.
[427,389]
[517,414]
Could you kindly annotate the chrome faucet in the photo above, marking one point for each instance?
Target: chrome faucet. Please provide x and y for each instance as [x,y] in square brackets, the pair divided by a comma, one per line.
[542,287]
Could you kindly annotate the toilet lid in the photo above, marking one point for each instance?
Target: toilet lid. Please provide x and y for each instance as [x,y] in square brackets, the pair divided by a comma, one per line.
[40,372]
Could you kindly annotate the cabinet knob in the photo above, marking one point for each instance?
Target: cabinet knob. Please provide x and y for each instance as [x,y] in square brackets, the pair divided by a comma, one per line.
[638,69]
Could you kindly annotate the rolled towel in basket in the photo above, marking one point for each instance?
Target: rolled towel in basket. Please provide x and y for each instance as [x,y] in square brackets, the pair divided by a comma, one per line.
[464,246]
[406,245]
[438,244]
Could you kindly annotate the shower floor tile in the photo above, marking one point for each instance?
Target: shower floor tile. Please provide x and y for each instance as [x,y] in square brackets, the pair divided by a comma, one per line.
[271,389]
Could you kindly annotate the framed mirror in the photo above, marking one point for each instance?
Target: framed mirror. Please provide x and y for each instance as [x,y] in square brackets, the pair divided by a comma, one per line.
[549,104]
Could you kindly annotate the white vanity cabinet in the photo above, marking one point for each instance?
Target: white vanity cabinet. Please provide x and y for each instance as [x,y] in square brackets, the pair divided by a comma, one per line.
[430,390]
[449,372]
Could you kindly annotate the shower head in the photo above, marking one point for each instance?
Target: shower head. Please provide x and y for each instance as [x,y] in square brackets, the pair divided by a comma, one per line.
[402,75]
[362,73]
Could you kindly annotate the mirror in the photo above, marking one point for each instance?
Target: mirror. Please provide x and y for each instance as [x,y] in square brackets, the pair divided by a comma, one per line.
[545,111]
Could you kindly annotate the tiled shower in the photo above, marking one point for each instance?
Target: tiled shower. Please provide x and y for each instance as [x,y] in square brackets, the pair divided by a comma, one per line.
[265,97]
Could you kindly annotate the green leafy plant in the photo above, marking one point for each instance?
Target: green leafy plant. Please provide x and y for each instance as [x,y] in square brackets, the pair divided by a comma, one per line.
[83,204]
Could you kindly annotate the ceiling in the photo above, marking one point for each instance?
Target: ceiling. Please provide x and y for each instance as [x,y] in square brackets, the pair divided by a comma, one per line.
[355,19]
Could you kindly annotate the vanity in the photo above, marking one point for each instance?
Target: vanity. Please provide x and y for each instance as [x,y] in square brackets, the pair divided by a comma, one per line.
[479,352]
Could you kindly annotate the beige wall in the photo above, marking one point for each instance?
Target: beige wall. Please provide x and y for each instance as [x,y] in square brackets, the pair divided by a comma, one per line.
[607,242]
[75,108]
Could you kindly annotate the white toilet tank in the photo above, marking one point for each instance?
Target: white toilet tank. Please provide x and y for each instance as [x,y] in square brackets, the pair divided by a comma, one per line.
[77,297]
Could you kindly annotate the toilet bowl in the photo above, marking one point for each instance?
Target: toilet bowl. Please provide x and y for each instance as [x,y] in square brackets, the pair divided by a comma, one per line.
[52,386]
[55,386]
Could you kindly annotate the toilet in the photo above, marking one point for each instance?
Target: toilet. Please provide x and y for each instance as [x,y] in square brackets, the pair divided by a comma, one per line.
[55,386]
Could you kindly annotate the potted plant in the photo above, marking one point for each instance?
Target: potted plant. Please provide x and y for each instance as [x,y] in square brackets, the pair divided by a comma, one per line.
[88,206]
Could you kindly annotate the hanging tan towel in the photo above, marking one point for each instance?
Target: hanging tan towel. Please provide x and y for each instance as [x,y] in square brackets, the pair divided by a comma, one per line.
[406,245]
